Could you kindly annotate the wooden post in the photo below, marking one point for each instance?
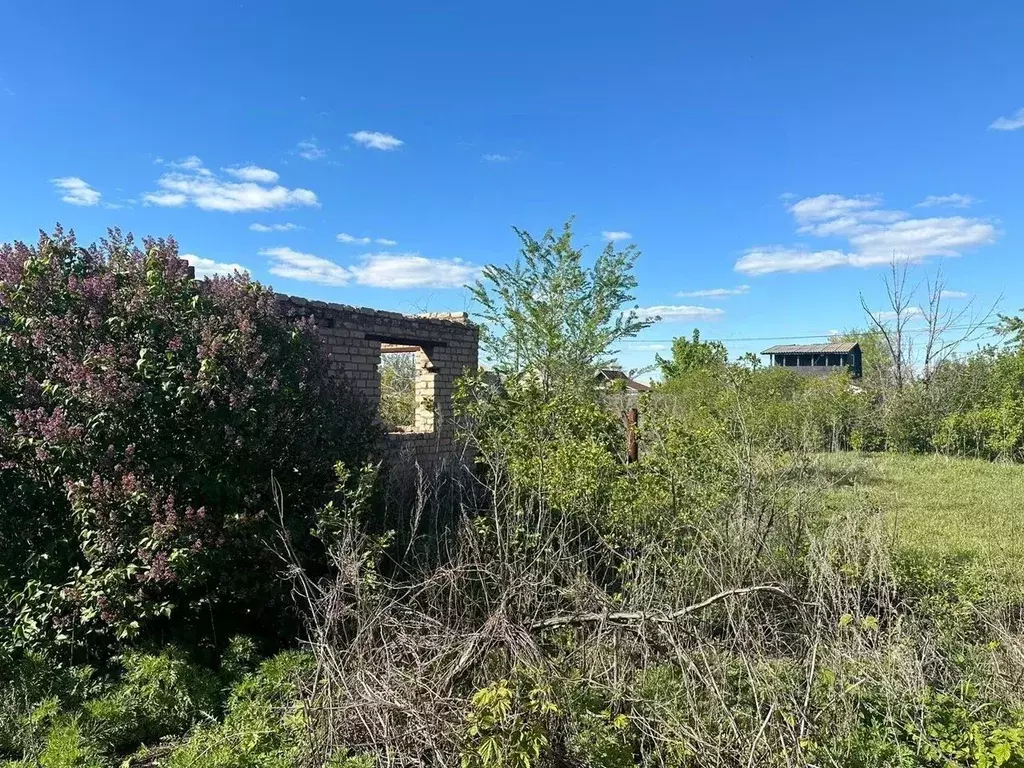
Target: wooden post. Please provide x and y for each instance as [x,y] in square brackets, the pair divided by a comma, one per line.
[632,446]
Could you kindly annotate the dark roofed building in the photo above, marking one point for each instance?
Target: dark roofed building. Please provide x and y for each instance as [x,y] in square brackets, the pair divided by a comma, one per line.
[817,359]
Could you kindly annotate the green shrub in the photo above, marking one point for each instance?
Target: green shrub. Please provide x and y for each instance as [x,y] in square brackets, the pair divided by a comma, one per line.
[68,746]
[142,417]
[910,420]
[831,409]
[995,432]
[264,725]
[241,657]
[868,432]
[509,724]
[686,473]
[31,688]
[158,695]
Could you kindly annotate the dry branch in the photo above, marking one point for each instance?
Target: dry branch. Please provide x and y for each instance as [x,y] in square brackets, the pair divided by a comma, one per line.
[659,618]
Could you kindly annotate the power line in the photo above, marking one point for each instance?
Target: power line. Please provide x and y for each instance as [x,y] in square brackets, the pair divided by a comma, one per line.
[788,338]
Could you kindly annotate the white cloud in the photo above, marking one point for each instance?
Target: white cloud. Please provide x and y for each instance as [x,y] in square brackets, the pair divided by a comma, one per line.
[715,293]
[670,313]
[614,236]
[955,295]
[823,207]
[209,267]
[76,191]
[954,200]
[494,157]
[411,270]
[347,239]
[1009,123]
[295,265]
[190,163]
[254,173]
[193,183]
[873,236]
[777,258]
[909,313]
[165,199]
[287,227]
[848,226]
[917,239]
[310,149]
[377,270]
[376,140]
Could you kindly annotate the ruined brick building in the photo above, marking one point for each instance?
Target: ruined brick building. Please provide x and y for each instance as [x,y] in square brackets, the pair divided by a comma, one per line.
[444,346]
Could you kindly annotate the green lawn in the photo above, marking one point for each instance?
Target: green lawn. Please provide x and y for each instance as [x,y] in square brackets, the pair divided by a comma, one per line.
[942,505]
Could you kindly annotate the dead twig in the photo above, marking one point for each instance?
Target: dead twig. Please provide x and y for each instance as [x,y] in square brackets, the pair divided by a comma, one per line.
[658,618]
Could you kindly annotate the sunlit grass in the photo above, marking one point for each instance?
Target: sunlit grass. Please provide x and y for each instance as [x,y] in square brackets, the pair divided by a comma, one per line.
[942,506]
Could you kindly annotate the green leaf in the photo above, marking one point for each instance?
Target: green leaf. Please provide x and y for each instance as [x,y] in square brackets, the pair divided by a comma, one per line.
[1002,752]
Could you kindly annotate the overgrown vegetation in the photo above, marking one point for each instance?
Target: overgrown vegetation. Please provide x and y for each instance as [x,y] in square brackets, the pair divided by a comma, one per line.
[724,601]
[142,416]
[398,389]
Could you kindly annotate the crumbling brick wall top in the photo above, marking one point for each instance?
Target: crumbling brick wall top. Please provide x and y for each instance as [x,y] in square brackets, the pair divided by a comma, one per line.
[445,344]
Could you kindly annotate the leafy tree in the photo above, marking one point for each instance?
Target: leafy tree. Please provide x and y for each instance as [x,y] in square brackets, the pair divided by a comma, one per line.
[1011,328]
[550,316]
[398,389]
[142,417]
[751,361]
[549,323]
[876,364]
[692,355]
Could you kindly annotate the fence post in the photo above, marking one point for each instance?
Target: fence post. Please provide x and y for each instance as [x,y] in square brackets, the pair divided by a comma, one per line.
[632,444]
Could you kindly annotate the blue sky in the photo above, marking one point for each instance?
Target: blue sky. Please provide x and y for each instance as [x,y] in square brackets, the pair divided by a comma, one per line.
[774,153]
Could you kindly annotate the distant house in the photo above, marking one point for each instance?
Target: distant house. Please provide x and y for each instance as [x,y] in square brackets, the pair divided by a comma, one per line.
[610,377]
[817,359]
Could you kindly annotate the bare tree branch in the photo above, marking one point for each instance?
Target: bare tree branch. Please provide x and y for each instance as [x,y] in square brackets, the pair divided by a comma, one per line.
[660,618]
[945,329]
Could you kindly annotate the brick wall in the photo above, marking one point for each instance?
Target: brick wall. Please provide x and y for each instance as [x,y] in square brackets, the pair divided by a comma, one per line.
[445,345]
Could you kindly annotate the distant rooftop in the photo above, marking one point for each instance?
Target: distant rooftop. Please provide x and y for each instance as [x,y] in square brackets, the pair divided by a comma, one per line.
[616,374]
[840,347]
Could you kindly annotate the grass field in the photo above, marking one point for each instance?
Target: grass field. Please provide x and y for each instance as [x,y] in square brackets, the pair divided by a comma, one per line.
[941,505]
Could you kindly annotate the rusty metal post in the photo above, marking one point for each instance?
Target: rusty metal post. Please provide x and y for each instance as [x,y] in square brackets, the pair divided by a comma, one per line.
[632,444]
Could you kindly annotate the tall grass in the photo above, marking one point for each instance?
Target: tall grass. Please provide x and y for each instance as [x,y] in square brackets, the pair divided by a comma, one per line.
[766,629]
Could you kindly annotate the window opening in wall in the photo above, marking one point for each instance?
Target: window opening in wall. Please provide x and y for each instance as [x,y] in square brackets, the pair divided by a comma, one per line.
[406,388]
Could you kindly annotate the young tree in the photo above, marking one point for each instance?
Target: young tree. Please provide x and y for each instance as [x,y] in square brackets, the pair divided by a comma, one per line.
[549,316]
[692,355]
[1011,328]
[876,361]
[891,324]
[549,323]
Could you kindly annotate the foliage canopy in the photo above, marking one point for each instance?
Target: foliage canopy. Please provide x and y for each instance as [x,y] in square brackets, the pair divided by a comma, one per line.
[143,416]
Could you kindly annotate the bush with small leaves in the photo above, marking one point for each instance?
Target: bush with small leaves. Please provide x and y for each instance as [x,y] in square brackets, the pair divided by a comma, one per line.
[265,723]
[143,415]
[159,695]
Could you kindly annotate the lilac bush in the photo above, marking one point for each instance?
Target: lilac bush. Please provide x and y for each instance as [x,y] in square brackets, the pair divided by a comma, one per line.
[142,417]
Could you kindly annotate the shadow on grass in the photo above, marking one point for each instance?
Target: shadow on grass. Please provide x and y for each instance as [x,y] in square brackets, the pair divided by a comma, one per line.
[845,470]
